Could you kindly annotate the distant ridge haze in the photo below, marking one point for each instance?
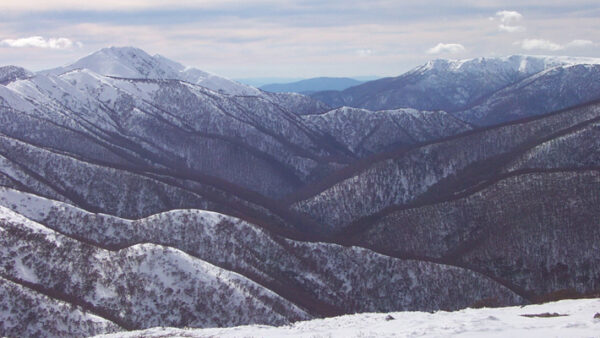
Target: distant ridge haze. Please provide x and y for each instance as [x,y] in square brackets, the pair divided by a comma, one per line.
[312,85]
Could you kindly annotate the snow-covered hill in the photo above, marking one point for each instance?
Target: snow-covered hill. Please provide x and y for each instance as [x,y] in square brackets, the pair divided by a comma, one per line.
[567,318]
[137,286]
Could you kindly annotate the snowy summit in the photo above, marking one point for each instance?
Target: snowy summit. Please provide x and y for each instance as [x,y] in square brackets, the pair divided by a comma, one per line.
[131,62]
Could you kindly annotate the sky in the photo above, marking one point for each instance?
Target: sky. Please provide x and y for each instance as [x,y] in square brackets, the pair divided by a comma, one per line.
[296,39]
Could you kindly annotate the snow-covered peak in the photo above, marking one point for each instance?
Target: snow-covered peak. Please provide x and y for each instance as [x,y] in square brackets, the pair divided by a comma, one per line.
[131,62]
[527,64]
[128,62]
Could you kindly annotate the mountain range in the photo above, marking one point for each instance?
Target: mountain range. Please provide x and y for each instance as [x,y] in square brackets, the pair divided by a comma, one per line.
[136,192]
[482,91]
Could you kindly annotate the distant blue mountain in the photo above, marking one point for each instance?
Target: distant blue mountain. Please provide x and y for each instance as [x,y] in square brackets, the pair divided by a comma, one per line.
[312,85]
[261,81]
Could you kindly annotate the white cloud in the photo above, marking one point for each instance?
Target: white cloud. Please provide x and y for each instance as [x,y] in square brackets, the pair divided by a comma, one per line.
[509,17]
[510,29]
[540,44]
[39,42]
[451,48]
[531,44]
[580,43]
[509,20]
[364,52]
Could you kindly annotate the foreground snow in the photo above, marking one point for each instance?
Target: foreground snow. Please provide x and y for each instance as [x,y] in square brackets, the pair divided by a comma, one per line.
[576,320]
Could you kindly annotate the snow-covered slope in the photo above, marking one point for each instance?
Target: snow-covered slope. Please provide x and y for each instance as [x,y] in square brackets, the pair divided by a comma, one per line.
[567,318]
[27,313]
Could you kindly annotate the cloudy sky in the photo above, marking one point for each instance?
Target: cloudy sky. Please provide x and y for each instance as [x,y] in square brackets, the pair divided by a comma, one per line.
[303,38]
